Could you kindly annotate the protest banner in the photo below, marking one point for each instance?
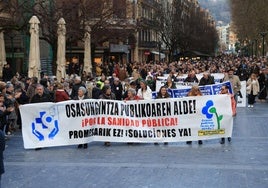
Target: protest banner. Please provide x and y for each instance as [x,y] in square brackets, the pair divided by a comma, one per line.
[183,89]
[162,120]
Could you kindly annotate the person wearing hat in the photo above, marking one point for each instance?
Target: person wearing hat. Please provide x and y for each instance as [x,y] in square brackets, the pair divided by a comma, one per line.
[235,82]
[81,96]
[107,94]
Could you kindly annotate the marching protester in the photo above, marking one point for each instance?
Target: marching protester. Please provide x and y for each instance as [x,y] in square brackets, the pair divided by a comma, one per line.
[32,87]
[207,79]
[2,149]
[131,95]
[107,94]
[195,91]
[40,97]
[235,82]
[61,94]
[162,94]
[263,90]
[145,91]
[225,90]
[77,84]
[253,89]
[191,77]
[81,95]
[170,84]
[117,88]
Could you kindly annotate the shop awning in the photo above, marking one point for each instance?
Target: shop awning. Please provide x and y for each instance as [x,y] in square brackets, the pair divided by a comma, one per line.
[162,56]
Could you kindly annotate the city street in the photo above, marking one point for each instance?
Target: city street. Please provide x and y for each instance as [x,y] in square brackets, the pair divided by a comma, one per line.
[241,163]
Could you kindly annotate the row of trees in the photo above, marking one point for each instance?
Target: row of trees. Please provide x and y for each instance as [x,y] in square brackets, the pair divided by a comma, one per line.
[183,30]
[179,31]
[77,14]
[250,20]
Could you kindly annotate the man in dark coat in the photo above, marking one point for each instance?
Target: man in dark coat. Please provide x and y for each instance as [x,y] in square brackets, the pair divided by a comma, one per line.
[77,84]
[207,79]
[40,95]
[2,148]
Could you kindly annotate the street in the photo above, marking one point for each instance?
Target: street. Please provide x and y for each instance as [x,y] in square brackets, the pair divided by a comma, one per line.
[241,163]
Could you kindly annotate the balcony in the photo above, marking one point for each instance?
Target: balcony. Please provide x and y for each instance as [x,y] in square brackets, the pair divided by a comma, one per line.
[148,44]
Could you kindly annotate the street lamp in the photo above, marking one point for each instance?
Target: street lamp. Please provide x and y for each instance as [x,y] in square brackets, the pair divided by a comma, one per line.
[159,48]
[263,34]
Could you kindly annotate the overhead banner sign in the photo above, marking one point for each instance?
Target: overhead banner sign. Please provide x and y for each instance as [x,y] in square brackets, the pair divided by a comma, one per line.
[162,120]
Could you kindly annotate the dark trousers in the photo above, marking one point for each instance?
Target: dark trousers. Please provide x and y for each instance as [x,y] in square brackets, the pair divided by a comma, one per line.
[251,98]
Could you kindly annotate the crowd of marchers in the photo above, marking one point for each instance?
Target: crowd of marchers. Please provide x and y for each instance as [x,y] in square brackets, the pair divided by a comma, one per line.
[133,81]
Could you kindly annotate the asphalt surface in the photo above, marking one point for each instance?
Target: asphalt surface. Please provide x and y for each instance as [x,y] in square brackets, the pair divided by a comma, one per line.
[241,163]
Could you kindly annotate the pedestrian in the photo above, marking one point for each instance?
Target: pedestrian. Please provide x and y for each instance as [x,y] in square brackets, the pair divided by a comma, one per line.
[191,77]
[81,96]
[109,95]
[162,94]
[195,91]
[77,84]
[235,82]
[40,97]
[207,79]
[225,90]
[253,89]
[144,92]
[32,87]
[117,89]
[263,92]
[61,94]
[2,149]
[170,83]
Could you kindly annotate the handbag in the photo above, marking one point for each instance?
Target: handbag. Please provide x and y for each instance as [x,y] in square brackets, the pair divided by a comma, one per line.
[249,87]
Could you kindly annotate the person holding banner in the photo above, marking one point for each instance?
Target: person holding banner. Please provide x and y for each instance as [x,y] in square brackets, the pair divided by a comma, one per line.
[195,91]
[40,97]
[107,94]
[81,96]
[162,94]
[225,90]
[144,92]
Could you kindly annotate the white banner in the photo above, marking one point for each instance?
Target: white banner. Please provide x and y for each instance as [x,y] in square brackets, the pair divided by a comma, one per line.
[184,88]
[159,120]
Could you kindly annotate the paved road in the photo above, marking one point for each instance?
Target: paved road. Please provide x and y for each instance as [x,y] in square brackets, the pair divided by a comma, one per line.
[241,163]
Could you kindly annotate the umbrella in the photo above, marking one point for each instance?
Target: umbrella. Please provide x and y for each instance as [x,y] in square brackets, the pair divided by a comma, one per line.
[87,53]
[2,53]
[61,61]
[34,54]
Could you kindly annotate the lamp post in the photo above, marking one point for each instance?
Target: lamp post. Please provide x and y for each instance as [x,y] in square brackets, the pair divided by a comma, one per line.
[263,34]
[256,47]
[159,48]
[252,50]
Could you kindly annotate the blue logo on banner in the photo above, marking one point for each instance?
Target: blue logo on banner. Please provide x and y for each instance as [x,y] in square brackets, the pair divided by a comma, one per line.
[43,125]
